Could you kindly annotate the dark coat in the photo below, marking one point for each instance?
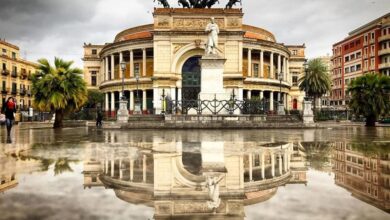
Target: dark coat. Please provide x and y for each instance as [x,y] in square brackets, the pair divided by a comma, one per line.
[9,113]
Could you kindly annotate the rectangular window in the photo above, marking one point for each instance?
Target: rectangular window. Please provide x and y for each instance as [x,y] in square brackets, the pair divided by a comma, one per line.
[14,86]
[295,80]
[372,35]
[94,51]
[4,66]
[294,52]
[353,68]
[14,55]
[358,67]
[346,58]
[4,87]
[136,69]
[352,56]
[93,78]
[256,70]
[347,70]
[4,51]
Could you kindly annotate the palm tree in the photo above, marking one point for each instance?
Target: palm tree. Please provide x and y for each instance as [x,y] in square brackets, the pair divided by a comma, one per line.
[59,89]
[370,96]
[316,81]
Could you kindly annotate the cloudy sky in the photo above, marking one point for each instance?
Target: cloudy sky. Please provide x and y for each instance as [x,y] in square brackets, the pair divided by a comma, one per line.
[48,28]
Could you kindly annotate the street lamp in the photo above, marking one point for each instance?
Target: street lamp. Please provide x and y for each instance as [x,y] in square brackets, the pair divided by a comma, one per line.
[280,86]
[123,67]
[306,66]
[137,103]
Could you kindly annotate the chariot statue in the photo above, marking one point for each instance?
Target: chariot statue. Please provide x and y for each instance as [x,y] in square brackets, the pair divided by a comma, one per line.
[164,3]
[232,3]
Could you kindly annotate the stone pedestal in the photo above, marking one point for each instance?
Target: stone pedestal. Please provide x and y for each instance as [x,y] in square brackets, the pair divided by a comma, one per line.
[123,112]
[137,109]
[281,109]
[308,116]
[212,82]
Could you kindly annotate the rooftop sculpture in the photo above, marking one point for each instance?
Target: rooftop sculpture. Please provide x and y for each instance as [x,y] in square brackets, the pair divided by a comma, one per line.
[198,3]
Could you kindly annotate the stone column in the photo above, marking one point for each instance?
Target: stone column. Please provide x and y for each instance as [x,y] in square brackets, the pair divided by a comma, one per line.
[280,164]
[285,162]
[250,167]
[240,95]
[279,96]
[279,65]
[285,69]
[144,62]
[112,101]
[261,94]
[120,169]
[271,101]
[131,170]
[112,166]
[106,166]
[144,169]
[112,67]
[288,71]
[272,75]
[132,100]
[249,95]
[173,94]
[262,64]
[144,107]
[262,166]
[272,164]
[250,62]
[131,63]
[106,72]
[106,103]
[179,94]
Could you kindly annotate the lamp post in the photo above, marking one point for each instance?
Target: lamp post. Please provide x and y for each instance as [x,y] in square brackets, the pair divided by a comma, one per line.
[305,66]
[123,67]
[280,102]
[137,102]
[123,112]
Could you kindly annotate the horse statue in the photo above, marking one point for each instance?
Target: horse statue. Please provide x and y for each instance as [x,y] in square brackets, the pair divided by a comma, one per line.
[164,3]
[184,3]
[231,3]
[210,3]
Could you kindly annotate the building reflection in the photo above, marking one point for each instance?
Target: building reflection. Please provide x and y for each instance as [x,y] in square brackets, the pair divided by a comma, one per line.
[364,170]
[171,175]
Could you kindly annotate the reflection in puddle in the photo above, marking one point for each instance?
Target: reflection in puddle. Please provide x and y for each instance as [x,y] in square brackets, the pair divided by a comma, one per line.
[180,175]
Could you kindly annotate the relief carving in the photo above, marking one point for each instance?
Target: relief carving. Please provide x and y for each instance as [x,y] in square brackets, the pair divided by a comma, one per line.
[163,23]
[195,23]
[233,22]
[177,47]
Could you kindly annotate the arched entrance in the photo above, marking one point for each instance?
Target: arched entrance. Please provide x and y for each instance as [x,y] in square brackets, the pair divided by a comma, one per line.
[191,75]
[295,104]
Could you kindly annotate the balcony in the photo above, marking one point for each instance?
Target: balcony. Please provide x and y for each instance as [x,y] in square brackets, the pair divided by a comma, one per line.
[384,52]
[22,92]
[14,91]
[4,90]
[5,72]
[23,75]
[384,38]
[14,74]
[384,65]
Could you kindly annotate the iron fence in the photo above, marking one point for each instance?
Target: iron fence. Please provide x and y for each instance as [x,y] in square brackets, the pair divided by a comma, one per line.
[247,106]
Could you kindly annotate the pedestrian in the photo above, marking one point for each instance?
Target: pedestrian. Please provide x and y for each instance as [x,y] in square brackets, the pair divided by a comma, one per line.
[99,119]
[9,109]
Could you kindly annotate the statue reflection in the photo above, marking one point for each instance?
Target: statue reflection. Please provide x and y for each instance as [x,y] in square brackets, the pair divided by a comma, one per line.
[210,180]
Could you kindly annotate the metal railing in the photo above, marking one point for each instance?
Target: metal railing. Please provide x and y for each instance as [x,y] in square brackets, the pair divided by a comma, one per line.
[215,106]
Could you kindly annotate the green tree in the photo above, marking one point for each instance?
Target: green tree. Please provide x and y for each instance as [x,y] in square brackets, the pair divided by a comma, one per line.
[369,96]
[316,81]
[59,88]
[95,97]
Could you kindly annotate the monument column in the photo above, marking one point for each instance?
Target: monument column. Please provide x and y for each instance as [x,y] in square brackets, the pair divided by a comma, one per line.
[271,100]
[144,62]
[272,75]
[261,64]
[131,63]
[249,62]
[112,67]
[144,107]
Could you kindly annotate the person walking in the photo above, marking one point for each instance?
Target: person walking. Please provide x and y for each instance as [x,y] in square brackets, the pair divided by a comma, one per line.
[9,109]
[99,119]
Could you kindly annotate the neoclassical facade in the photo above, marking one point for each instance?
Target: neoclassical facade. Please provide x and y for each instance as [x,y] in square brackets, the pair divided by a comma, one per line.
[165,58]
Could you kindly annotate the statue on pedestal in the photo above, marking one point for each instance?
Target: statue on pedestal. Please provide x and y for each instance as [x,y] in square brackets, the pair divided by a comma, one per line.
[231,3]
[212,183]
[212,43]
[163,2]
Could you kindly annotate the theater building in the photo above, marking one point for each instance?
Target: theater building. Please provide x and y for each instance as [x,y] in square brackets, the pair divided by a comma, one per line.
[163,60]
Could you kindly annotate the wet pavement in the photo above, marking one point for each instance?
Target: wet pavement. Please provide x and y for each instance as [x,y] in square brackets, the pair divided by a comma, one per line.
[81,173]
